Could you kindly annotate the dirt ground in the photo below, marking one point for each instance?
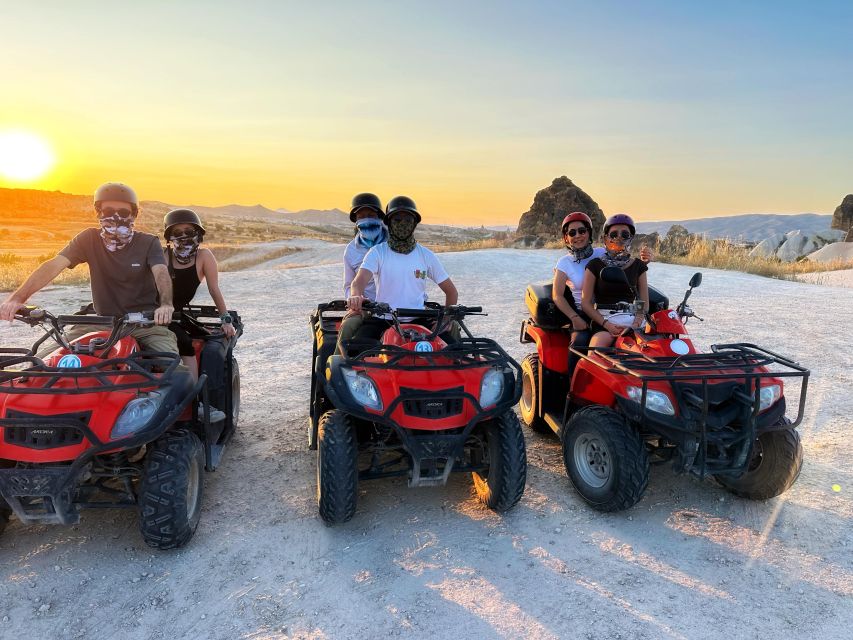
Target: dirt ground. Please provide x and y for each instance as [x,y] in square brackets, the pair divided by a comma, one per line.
[689,561]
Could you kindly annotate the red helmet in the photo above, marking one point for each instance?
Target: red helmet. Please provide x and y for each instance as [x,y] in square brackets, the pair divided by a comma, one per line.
[620,218]
[577,216]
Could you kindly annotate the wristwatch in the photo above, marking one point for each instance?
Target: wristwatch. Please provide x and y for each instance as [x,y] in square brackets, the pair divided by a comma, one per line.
[225,318]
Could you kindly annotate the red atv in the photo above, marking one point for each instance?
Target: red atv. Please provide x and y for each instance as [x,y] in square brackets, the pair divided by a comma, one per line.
[101,424]
[652,398]
[414,406]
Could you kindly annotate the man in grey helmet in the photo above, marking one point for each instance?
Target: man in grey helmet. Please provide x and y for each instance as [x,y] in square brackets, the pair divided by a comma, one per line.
[127,270]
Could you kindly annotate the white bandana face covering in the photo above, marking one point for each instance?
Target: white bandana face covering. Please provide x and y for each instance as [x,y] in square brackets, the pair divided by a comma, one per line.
[116,232]
[184,248]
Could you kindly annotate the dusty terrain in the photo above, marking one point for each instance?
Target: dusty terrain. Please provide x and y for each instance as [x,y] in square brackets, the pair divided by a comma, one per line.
[689,561]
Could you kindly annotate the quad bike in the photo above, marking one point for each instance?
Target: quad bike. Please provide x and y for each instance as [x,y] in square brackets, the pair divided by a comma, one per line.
[652,397]
[100,424]
[413,405]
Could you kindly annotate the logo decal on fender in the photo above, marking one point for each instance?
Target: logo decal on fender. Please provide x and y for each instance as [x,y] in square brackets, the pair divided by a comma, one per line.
[423,346]
[69,361]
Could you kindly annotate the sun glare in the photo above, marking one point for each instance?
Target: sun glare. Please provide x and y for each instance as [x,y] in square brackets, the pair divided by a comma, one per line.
[24,156]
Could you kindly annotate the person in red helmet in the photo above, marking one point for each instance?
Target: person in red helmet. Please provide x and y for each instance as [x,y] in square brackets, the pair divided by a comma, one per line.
[127,270]
[599,299]
[576,230]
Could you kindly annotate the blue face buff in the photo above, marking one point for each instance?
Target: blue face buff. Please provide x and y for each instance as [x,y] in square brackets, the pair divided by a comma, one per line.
[370,231]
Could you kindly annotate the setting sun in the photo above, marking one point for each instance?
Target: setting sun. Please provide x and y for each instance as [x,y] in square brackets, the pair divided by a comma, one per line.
[24,156]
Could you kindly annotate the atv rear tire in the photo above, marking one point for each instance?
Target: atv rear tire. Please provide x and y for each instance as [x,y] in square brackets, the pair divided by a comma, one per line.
[605,458]
[235,391]
[337,467]
[4,517]
[170,490]
[529,402]
[503,484]
[777,458]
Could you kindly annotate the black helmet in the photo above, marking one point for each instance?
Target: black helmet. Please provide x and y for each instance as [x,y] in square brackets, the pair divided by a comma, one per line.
[369,200]
[181,216]
[117,192]
[402,203]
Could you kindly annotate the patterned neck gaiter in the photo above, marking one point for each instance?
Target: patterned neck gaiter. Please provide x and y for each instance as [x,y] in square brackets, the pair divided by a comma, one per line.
[617,252]
[184,248]
[370,232]
[401,234]
[580,254]
[116,232]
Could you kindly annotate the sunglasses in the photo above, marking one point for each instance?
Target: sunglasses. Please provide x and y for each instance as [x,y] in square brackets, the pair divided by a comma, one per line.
[110,212]
[582,231]
[187,235]
[613,235]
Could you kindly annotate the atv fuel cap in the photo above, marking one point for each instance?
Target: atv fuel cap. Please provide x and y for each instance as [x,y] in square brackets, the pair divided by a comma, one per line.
[679,347]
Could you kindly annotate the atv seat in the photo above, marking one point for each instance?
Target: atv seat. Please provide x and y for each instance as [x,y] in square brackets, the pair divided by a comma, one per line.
[546,315]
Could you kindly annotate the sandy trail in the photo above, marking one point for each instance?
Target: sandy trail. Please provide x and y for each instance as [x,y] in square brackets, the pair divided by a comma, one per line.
[689,561]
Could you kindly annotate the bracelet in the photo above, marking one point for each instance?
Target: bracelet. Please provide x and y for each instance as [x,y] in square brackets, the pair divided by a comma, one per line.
[604,324]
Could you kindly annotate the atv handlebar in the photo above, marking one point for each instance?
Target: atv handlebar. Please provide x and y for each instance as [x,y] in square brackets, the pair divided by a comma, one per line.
[54,326]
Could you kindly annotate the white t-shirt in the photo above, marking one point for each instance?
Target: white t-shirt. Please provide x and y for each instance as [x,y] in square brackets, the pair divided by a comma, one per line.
[353,257]
[574,271]
[401,277]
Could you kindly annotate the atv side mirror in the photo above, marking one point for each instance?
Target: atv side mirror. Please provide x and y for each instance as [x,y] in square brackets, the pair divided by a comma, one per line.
[614,275]
[696,280]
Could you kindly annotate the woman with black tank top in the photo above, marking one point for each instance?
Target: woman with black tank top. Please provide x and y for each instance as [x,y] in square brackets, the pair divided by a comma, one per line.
[599,298]
[190,265]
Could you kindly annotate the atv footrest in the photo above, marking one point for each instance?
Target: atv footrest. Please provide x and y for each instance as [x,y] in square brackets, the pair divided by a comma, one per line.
[437,477]
[39,495]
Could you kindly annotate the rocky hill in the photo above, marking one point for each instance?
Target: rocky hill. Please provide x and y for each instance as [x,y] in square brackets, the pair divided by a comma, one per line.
[552,204]
[843,216]
[750,227]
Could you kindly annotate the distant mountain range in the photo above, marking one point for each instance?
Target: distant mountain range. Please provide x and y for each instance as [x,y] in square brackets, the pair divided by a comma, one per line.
[750,227]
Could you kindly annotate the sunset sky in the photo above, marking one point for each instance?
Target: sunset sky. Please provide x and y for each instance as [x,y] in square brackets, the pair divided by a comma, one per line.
[661,109]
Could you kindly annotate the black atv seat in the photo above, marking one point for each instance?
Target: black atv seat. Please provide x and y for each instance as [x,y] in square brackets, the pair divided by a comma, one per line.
[545,313]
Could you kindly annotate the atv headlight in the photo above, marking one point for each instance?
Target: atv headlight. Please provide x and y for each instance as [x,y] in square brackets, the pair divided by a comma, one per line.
[491,387]
[768,396]
[362,389]
[656,401]
[136,414]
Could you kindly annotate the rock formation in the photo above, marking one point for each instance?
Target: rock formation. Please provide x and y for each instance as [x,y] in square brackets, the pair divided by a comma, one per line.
[552,204]
[794,245]
[676,242]
[843,216]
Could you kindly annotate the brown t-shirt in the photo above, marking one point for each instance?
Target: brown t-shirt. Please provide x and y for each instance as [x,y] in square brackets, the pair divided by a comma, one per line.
[607,293]
[122,281]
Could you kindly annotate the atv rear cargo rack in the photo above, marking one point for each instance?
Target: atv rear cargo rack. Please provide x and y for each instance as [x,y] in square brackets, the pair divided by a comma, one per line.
[690,375]
[140,366]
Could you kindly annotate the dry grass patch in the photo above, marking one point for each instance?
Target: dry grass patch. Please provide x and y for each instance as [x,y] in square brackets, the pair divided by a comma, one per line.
[721,255]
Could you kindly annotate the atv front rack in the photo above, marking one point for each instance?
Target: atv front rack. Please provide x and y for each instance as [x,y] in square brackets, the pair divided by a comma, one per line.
[145,369]
[743,365]
[466,353]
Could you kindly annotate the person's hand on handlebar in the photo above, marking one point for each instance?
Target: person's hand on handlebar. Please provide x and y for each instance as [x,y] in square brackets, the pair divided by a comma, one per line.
[9,308]
[354,303]
[163,314]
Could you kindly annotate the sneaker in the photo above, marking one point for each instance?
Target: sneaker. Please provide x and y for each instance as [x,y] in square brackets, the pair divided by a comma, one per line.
[215,414]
